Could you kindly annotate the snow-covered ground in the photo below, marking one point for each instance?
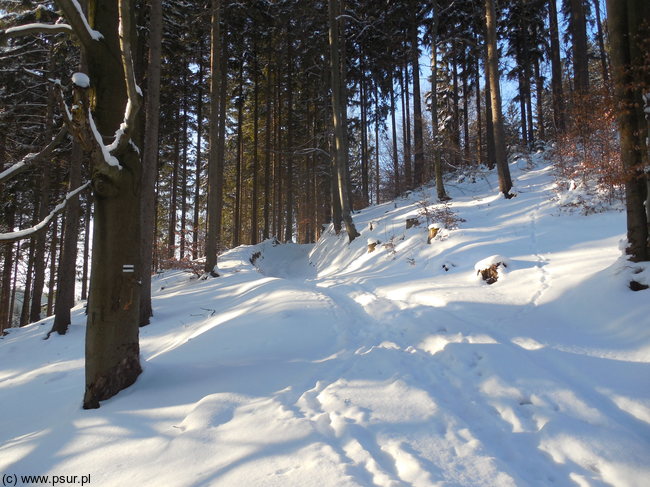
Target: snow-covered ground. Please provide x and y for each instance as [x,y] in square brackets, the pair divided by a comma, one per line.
[327,365]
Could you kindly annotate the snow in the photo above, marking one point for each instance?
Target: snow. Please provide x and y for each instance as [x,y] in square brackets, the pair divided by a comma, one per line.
[324,365]
[110,159]
[94,35]
[37,26]
[81,80]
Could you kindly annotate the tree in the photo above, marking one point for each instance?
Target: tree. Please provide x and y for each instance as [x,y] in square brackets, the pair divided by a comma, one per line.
[338,106]
[629,33]
[216,137]
[150,157]
[492,73]
[107,39]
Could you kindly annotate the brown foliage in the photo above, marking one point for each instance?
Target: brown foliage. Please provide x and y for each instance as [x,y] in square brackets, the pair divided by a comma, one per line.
[588,153]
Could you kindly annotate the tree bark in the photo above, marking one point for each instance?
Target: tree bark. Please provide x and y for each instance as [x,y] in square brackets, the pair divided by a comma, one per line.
[418,137]
[150,159]
[556,70]
[339,104]
[215,157]
[505,183]
[67,265]
[601,45]
[629,25]
[435,135]
[199,154]
[396,185]
[578,28]
[112,347]
[254,197]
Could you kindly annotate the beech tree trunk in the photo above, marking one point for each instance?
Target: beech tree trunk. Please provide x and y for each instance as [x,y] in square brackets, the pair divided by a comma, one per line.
[112,348]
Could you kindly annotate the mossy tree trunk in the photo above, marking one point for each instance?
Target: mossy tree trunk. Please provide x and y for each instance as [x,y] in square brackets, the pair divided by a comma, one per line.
[112,348]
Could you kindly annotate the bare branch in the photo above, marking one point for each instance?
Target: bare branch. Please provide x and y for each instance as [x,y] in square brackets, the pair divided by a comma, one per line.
[42,225]
[133,92]
[25,162]
[72,11]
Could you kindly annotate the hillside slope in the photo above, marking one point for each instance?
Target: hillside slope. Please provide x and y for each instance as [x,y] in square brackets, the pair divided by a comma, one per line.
[327,365]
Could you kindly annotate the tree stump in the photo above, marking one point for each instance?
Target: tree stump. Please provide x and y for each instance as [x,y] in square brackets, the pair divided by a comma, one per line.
[412,222]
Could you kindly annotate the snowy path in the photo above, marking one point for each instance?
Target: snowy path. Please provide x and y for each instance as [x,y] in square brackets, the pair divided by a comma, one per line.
[328,366]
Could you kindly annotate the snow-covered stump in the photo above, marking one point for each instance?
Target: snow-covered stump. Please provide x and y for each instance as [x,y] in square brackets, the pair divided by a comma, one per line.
[372,244]
[491,268]
[434,228]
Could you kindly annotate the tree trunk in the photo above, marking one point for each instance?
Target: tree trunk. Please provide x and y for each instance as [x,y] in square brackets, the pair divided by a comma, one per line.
[339,104]
[505,183]
[578,28]
[268,131]
[288,230]
[489,127]
[183,227]
[199,154]
[150,159]
[406,126]
[435,135]
[173,200]
[39,246]
[466,96]
[418,136]
[112,348]
[239,160]
[396,185]
[629,26]
[601,45]
[539,87]
[254,203]
[5,283]
[377,175]
[67,264]
[54,241]
[216,126]
[84,269]
[479,124]
[523,122]
[556,70]
[27,292]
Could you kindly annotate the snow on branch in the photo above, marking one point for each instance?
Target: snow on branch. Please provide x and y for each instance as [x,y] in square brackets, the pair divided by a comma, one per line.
[42,225]
[133,91]
[25,162]
[79,23]
[35,28]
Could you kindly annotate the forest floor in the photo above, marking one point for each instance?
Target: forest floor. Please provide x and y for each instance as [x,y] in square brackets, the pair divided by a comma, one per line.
[325,365]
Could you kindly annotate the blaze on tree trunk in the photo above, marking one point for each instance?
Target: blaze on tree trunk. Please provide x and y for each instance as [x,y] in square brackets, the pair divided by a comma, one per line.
[629,27]
[112,349]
